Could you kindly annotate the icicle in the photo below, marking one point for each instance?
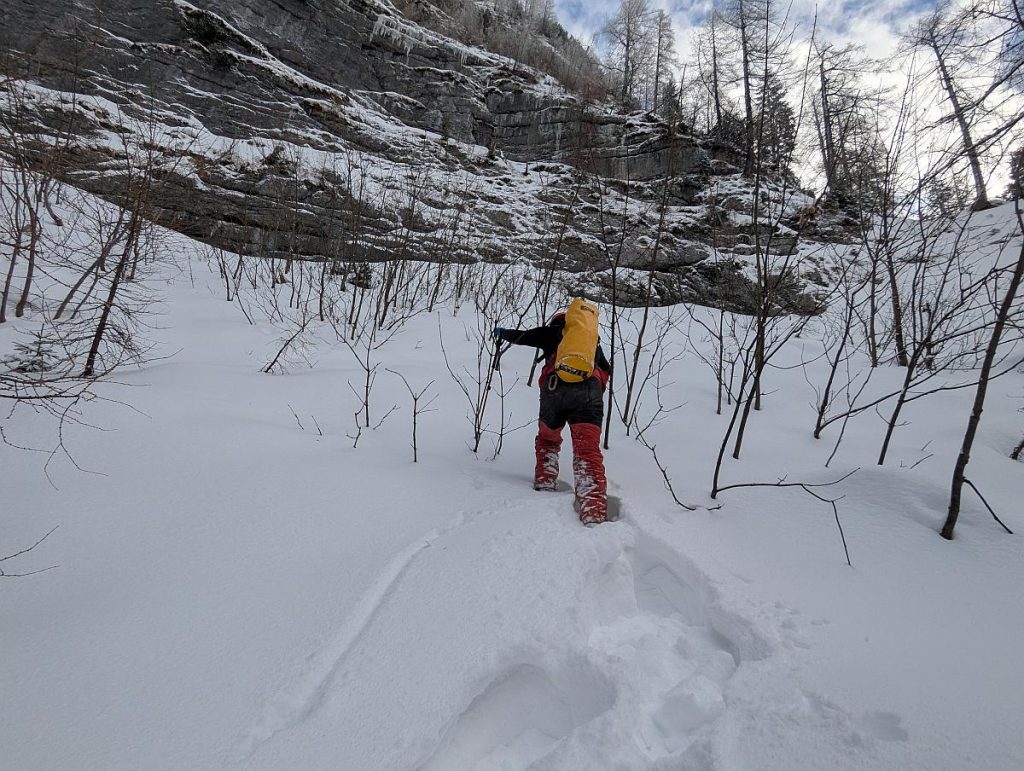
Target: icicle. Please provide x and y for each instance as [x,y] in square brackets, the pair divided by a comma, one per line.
[396,32]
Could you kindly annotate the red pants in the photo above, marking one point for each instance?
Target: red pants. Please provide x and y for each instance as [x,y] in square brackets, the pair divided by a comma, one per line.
[587,467]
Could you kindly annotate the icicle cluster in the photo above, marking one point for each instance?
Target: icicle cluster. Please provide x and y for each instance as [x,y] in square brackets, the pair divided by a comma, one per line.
[395,32]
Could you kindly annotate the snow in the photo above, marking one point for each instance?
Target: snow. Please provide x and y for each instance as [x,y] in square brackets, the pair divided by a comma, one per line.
[237,590]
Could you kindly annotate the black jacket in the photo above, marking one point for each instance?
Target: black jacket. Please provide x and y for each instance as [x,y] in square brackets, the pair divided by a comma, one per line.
[547,339]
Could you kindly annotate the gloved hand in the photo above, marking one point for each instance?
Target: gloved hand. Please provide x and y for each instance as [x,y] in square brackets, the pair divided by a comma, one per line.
[498,332]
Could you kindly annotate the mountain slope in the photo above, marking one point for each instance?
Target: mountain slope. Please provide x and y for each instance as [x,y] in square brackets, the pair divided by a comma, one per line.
[334,130]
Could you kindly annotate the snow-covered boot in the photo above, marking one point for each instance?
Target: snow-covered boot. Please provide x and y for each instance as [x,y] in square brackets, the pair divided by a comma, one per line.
[547,445]
[588,473]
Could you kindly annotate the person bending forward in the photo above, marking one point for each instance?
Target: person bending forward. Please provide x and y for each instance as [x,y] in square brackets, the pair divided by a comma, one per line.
[581,405]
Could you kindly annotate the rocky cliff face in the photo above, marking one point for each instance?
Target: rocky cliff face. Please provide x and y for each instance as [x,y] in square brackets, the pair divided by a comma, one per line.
[337,129]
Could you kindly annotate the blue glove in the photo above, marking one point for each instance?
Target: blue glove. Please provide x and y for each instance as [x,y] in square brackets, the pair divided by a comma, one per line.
[498,332]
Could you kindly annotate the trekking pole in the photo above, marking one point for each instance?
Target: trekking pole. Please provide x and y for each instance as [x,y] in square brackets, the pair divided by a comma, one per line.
[496,361]
[533,370]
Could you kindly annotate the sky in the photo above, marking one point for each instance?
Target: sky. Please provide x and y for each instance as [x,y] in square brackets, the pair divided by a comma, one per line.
[874,23]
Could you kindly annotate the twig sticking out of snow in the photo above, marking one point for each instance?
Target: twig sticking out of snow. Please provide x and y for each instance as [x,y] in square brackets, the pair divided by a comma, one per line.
[417,408]
[970,484]
[5,574]
[808,487]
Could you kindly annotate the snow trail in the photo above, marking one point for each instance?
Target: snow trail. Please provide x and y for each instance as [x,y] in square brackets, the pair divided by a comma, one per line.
[642,684]
[561,647]
[305,695]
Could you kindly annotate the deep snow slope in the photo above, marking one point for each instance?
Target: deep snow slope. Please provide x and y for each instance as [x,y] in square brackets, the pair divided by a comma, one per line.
[240,587]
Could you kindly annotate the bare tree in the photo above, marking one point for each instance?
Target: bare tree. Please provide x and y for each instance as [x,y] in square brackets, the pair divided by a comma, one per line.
[714,70]
[28,182]
[846,111]
[943,37]
[417,408]
[499,294]
[1003,316]
[742,17]
[630,38]
[613,249]
[365,344]
[838,343]
[291,343]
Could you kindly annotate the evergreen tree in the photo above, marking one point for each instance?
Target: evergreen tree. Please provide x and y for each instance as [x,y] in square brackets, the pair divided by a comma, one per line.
[34,356]
[664,56]
[777,128]
[1016,187]
[859,179]
[760,38]
[668,106]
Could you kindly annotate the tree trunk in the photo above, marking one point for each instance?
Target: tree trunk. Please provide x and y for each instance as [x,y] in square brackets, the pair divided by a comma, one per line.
[748,102]
[77,285]
[826,394]
[611,359]
[101,327]
[979,395]
[714,75]
[828,149]
[10,278]
[737,406]
[657,61]
[615,307]
[1015,455]
[741,430]
[960,115]
[890,425]
[873,314]
[626,68]
[897,310]
[34,236]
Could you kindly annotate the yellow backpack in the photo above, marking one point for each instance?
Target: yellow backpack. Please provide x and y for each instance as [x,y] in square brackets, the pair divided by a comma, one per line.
[574,359]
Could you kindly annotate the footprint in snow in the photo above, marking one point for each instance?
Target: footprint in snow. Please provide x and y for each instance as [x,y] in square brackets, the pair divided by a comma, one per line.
[882,725]
[667,586]
[520,717]
[656,639]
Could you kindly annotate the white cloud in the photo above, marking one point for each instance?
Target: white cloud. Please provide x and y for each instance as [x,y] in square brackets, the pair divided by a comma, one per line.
[876,24]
